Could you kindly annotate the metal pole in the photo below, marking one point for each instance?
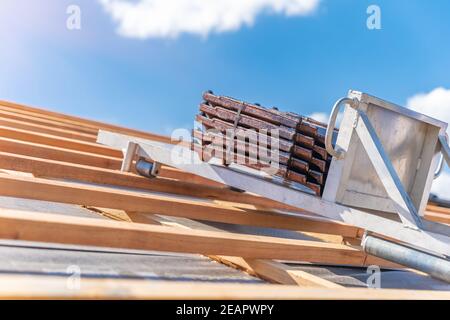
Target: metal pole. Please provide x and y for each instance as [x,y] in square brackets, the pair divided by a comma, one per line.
[436,267]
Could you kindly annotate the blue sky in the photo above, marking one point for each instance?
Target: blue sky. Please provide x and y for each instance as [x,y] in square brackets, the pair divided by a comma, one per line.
[299,63]
[147,70]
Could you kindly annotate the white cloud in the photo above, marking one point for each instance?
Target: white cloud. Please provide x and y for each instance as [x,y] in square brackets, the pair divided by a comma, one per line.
[169,18]
[320,116]
[436,104]
[325,117]
[441,186]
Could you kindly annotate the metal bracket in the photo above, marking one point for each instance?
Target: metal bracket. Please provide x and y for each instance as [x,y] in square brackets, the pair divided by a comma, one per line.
[146,168]
[128,155]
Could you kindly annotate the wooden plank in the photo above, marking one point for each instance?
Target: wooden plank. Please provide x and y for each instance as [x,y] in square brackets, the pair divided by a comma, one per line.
[437,209]
[268,270]
[18,108]
[327,237]
[71,134]
[63,170]
[43,151]
[7,114]
[277,272]
[114,214]
[437,217]
[41,227]
[140,217]
[56,191]
[56,141]
[11,113]
[45,287]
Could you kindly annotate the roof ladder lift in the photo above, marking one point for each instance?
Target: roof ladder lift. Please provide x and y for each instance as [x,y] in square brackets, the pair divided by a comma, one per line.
[385,158]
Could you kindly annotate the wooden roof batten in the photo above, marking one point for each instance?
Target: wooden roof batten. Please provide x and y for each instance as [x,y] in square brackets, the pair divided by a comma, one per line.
[68,166]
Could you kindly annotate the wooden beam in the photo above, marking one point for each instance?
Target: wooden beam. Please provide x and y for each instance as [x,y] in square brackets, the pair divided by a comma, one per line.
[45,287]
[22,109]
[269,270]
[44,151]
[62,170]
[114,214]
[327,237]
[141,217]
[277,272]
[434,208]
[65,133]
[8,114]
[40,119]
[56,191]
[437,217]
[56,141]
[41,227]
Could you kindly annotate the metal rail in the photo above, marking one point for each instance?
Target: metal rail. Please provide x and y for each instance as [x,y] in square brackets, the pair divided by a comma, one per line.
[436,267]
[433,237]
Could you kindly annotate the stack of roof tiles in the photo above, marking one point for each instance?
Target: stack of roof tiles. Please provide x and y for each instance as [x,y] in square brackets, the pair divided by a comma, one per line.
[302,155]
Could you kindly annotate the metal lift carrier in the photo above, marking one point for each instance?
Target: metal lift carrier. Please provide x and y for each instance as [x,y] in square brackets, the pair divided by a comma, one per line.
[384,162]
